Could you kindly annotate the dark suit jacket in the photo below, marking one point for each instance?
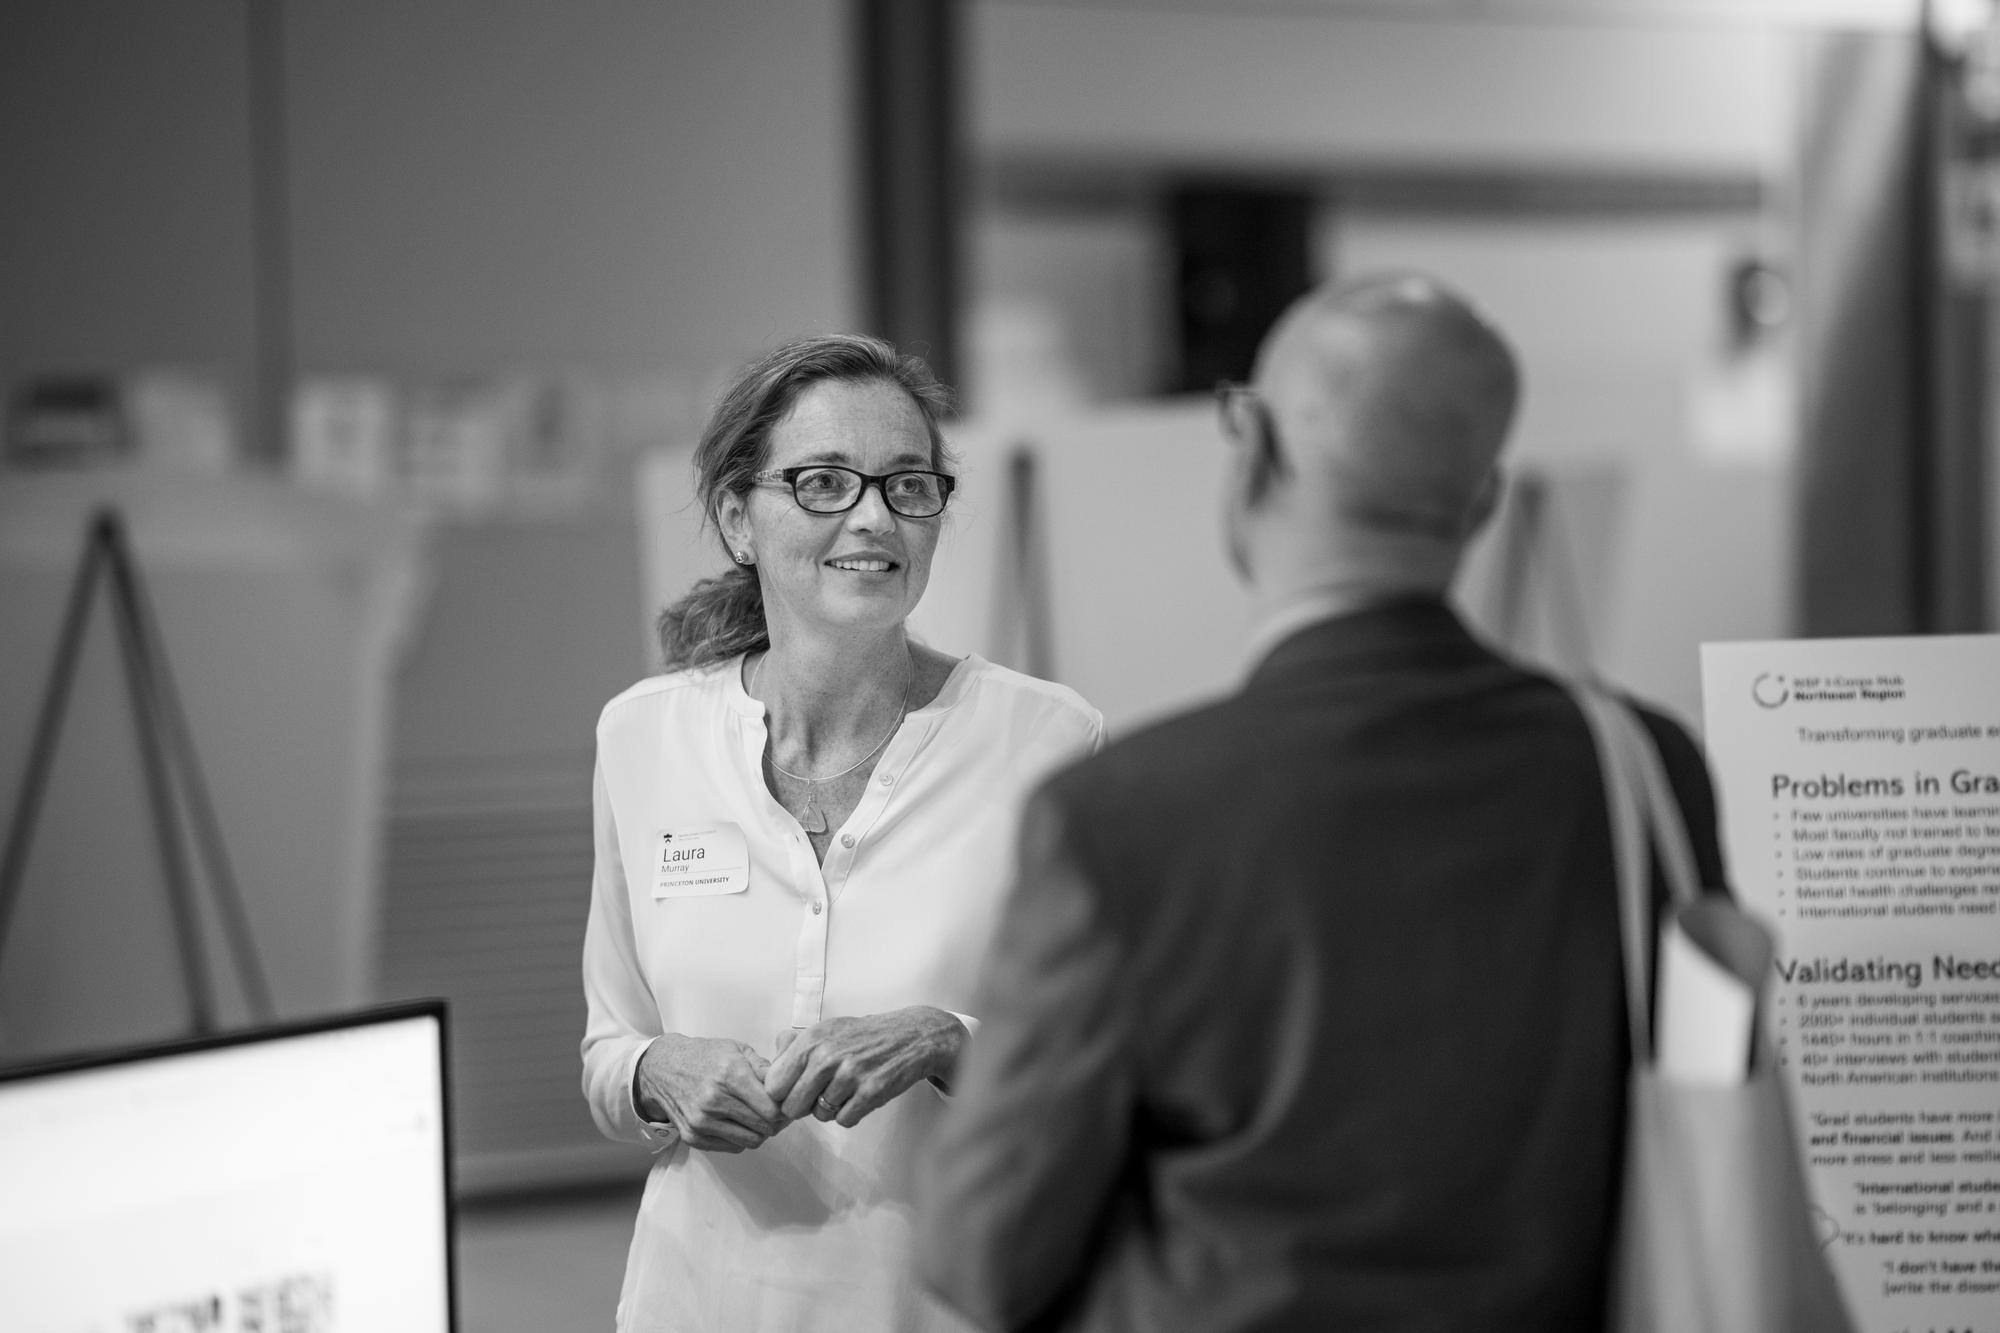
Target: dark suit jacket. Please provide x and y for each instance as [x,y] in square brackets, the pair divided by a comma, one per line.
[1307,1011]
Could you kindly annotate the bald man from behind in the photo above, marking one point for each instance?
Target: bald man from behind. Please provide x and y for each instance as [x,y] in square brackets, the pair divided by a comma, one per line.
[1306,1010]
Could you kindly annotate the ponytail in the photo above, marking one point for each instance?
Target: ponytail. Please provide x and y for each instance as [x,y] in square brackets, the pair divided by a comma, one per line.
[719,618]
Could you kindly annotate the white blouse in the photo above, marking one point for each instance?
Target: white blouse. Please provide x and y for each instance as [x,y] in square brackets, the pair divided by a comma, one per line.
[812,1230]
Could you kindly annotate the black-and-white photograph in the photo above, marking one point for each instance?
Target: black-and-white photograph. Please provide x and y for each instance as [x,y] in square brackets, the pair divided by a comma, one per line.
[920,666]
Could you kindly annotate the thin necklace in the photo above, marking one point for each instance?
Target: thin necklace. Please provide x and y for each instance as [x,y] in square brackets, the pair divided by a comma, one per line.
[812,818]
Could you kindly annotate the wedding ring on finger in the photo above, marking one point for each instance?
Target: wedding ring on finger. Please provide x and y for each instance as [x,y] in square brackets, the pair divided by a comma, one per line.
[828,1107]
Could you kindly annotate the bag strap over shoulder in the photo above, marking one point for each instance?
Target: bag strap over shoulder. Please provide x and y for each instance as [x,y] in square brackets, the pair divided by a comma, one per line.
[1645,818]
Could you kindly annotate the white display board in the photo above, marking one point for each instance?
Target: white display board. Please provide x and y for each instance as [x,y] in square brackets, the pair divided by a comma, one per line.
[1859,781]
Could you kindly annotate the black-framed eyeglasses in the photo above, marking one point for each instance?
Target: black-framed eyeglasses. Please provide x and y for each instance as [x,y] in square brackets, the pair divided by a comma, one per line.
[824,488]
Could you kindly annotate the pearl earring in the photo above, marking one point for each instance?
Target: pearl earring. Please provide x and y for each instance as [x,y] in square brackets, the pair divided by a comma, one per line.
[742,558]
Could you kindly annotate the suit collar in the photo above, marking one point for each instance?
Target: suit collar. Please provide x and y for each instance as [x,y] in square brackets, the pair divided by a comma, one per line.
[1408,632]
[1307,609]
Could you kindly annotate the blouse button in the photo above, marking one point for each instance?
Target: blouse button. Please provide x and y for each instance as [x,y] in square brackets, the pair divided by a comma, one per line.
[847,840]
[816,907]
[887,778]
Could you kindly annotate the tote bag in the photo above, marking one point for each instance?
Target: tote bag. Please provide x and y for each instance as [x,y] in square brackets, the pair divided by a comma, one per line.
[1715,1232]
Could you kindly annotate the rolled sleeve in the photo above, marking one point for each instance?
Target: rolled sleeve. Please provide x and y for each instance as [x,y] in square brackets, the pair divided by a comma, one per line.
[660,1134]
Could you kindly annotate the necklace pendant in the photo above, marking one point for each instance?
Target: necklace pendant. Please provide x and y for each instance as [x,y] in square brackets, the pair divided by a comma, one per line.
[811,819]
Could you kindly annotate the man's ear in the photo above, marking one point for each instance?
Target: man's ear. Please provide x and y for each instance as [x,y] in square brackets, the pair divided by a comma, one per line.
[1265,469]
[1257,469]
[1246,480]
[1484,502]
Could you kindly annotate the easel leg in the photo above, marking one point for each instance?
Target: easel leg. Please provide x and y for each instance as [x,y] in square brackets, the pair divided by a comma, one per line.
[48,726]
[141,683]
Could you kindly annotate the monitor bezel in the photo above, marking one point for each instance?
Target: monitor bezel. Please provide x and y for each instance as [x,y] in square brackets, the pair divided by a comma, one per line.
[338,1021]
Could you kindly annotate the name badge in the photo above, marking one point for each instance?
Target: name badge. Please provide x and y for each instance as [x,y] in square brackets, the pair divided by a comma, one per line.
[697,862]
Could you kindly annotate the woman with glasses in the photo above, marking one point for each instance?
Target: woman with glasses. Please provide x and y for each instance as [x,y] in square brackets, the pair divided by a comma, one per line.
[804,830]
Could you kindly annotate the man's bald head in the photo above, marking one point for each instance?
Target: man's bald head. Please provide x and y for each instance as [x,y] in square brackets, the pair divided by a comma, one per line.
[1394,396]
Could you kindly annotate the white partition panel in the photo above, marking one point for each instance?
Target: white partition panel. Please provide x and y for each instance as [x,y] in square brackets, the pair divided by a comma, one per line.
[1146,617]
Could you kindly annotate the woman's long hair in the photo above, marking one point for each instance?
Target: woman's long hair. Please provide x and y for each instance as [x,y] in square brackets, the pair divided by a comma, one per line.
[723,616]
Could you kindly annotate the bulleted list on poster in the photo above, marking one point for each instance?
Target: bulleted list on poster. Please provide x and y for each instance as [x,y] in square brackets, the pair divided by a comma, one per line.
[1859,781]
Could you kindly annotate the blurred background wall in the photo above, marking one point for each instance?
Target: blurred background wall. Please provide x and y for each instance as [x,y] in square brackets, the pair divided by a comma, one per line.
[522,226]
[388,328]
[631,187]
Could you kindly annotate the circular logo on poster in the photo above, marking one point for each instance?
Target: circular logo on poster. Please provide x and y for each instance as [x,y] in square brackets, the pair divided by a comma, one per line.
[1770,690]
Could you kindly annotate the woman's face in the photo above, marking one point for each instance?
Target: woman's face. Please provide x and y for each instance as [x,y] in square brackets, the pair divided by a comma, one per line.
[863,569]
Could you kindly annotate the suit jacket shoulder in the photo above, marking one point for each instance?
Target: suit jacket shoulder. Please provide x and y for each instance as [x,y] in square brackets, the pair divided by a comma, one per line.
[1416,658]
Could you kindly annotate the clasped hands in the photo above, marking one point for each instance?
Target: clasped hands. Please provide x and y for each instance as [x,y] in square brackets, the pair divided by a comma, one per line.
[725,1096]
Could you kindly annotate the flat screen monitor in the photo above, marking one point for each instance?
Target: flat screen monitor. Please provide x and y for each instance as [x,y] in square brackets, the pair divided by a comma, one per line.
[288,1179]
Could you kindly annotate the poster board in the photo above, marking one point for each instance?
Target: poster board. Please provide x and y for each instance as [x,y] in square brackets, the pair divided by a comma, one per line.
[1859,785]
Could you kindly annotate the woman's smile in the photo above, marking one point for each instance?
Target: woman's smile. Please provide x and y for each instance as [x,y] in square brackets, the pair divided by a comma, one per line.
[864,564]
